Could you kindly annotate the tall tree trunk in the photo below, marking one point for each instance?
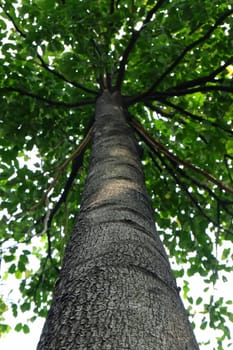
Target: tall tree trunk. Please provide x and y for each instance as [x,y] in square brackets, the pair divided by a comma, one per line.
[116,289]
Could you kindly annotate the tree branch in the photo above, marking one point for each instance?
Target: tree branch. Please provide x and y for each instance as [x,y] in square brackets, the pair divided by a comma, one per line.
[196,117]
[185,189]
[198,184]
[61,76]
[224,203]
[171,116]
[44,64]
[161,96]
[74,155]
[12,20]
[181,92]
[164,114]
[188,48]
[158,146]
[111,7]
[205,79]
[46,220]
[134,37]
[54,103]
[76,164]
[218,200]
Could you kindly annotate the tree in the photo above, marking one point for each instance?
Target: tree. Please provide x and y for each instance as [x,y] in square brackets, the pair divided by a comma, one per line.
[168,70]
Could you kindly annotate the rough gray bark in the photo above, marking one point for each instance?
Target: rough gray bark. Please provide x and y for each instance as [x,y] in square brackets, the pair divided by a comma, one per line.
[116,289]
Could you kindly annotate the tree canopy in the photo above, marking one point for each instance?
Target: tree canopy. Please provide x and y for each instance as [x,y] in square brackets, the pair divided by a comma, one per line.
[172,62]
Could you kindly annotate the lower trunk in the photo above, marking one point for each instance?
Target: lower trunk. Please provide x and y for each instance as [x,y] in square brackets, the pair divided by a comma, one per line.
[116,289]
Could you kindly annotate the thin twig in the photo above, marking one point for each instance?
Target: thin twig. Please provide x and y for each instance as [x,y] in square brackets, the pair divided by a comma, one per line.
[54,103]
[173,117]
[152,95]
[76,164]
[134,37]
[224,203]
[75,154]
[164,114]
[44,64]
[13,22]
[183,187]
[195,117]
[181,92]
[157,145]
[188,48]
[111,8]
[205,79]
[61,76]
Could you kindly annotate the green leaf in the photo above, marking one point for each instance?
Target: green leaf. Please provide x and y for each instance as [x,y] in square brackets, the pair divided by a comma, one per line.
[14,310]
[3,306]
[226,253]
[203,325]
[199,300]
[12,268]
[26,329]
[190,300]
[25,306]
[4,328]
[224,278]
[18,327]
[229,147]
[9,258]
[18,274]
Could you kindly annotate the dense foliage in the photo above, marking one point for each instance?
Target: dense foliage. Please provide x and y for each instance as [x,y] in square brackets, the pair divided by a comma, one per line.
[172,61]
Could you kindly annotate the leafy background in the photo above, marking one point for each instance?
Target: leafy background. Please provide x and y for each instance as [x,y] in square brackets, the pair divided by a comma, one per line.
[173,63]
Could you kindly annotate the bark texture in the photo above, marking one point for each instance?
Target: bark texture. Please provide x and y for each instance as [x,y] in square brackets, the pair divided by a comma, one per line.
[116,289]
